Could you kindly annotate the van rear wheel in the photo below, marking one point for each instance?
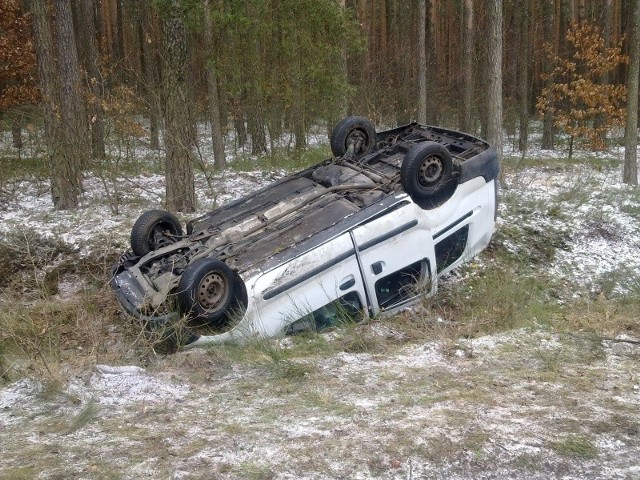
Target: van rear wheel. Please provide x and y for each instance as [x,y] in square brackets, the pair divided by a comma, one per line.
[427,174]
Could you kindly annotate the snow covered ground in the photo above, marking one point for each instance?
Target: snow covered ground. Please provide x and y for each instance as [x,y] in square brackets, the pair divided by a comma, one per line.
[519,404]
[596,214]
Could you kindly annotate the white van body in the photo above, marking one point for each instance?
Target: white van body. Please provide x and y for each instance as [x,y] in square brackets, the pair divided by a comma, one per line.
[341,237]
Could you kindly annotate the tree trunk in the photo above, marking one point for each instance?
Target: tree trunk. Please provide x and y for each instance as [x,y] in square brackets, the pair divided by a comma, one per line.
[87,24]
[600,120]
[72,149]
[468,42]
[422,61]
[118,46]
[16,133]
[344,69]
[65,127]
[630,174]
[149,45]
[494,125]
[255,128]
[46,68]
[547,121]
[180,185]
[212,87]
[523,81]
[434,64]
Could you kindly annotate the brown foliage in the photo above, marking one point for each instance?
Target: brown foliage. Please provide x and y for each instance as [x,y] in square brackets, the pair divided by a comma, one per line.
[120,105]
[17,57]
[583,105]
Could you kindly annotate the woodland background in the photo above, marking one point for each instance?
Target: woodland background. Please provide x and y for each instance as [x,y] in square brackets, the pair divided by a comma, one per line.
[79,74]
[524,365]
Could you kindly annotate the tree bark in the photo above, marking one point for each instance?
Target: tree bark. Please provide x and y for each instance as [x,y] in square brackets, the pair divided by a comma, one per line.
[212,87]
[87,24]
[422,61]
[549,30]
[494,125]
[65,125]
[46,67]
[523,81]
[630,173]
[600,121]
[149,45]
[468,42]
[434,63]
[180,185]
[72,151]
[118,45]
[16,133]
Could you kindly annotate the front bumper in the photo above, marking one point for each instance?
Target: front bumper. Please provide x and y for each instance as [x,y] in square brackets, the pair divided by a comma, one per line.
[130,295]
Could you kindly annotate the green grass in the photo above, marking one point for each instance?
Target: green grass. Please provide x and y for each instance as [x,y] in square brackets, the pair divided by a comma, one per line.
[86,415]
[577,446]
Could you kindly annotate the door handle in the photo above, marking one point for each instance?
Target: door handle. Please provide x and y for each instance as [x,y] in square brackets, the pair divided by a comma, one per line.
[376,267]
[347,283]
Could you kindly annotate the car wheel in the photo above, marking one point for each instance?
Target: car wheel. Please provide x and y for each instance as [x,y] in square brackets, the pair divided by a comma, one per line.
[154,229]
[208,289]
[353,132]
[427,175]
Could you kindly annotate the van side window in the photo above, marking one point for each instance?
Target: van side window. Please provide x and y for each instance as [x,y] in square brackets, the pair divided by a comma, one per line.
[401,285]
[346,309]
[450,248]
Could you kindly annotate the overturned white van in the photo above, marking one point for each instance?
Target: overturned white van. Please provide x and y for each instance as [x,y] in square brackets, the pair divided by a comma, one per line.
[363,233]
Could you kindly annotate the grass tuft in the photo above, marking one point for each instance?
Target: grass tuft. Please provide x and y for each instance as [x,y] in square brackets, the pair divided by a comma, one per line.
[86,415]
[576,446]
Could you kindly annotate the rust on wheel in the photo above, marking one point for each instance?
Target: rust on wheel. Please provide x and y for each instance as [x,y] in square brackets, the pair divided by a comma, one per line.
[354,135]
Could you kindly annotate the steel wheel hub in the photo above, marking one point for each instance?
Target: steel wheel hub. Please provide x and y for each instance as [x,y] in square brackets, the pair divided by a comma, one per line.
[430,170]
[212,291]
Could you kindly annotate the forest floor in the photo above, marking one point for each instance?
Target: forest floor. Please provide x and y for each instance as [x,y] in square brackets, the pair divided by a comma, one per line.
[525,365]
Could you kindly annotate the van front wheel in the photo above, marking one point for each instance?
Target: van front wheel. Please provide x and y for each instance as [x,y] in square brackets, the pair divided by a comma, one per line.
[154,229]
[353,134]
[207,288]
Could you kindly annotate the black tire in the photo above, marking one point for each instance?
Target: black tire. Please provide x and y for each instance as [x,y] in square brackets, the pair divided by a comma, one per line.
[353,130]
[427,174]
[154,229]
[209,290]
